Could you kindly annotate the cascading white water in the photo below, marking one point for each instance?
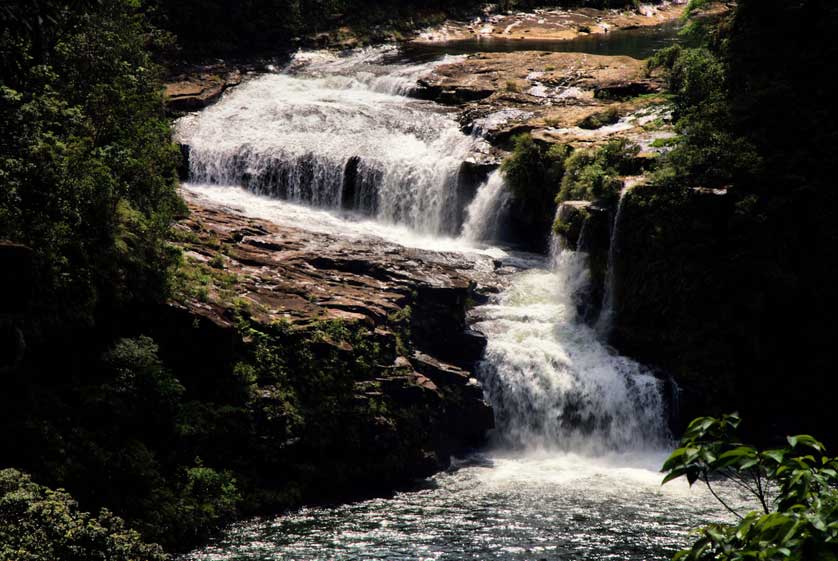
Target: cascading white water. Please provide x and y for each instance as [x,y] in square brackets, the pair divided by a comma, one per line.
[337,132]
[485,213]
[334,132]
[605,321]
[552,382]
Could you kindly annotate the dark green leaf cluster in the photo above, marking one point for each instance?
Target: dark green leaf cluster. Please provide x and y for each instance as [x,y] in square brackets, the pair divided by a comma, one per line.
[595,174]
[708,153]
[86,160]
[796,487]
[737,227]
[534,171]
[37,523]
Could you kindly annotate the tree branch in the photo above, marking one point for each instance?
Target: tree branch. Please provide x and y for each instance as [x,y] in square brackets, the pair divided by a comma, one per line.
[718,498]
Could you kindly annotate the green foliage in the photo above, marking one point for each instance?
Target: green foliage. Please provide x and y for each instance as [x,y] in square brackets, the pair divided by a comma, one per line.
[709,153]
[37,523]
[796,487]
[207,498]
[534,172]
[139,387]
[767,229]
[86,160]
[594,174]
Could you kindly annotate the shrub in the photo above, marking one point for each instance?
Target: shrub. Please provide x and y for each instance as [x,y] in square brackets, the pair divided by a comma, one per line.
[37,523]
[88,166]
[533,172]
[795,486]
[207,498]
[138,387]
[594,175]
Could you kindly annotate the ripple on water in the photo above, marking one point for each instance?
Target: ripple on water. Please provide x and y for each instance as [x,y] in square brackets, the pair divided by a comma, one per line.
[540,506]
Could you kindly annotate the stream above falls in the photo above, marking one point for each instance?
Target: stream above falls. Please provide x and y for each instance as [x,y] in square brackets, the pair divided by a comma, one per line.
[333,144]
[637,43]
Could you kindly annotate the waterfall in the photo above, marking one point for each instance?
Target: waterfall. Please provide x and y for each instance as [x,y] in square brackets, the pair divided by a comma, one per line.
[485,214]
[605,321]
[337,132]
[553,384]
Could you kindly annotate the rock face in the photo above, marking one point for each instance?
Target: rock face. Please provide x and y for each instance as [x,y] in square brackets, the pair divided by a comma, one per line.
[369,340]
[199,87]
[547,94]
[586,227]
[670,296]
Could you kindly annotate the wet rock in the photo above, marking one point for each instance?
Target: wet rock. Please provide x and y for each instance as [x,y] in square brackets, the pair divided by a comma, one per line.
[453,94]
[199,87]
[183,165]
[571,218]
[402,297]
[553,24]
[504,94]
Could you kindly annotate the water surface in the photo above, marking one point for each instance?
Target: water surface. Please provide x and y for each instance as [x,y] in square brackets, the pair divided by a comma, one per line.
[504,507]
[637,43]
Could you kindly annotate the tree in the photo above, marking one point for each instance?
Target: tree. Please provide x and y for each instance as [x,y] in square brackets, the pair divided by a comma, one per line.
[38,523]
[86,158]
[795,486]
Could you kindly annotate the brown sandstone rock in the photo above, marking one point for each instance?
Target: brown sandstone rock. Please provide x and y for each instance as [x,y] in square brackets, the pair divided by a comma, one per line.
[199,87]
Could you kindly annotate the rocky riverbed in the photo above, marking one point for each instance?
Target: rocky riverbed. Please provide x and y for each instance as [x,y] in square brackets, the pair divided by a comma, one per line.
[560,97]
[387,324]
[554,24]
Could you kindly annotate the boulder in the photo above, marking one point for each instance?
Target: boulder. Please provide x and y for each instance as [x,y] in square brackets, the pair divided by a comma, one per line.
[395,299]
[199,87]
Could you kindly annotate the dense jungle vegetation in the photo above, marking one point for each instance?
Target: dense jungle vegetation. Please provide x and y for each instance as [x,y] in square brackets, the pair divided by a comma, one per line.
[88,196]
[726,268]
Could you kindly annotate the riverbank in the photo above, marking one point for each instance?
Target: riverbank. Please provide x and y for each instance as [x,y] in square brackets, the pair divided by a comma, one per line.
[558,24]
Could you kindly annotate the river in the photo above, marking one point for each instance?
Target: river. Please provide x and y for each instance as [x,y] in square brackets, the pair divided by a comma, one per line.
[333,143]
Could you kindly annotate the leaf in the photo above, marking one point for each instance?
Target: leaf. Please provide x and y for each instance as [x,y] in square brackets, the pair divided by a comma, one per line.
[748,464]
[674,474]
[806,440]
[777,455]
[670,461]
[737,457]
[692,476]
[701,424]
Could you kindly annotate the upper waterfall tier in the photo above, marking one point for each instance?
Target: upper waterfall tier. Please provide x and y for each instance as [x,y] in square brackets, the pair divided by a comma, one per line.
[336,132]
